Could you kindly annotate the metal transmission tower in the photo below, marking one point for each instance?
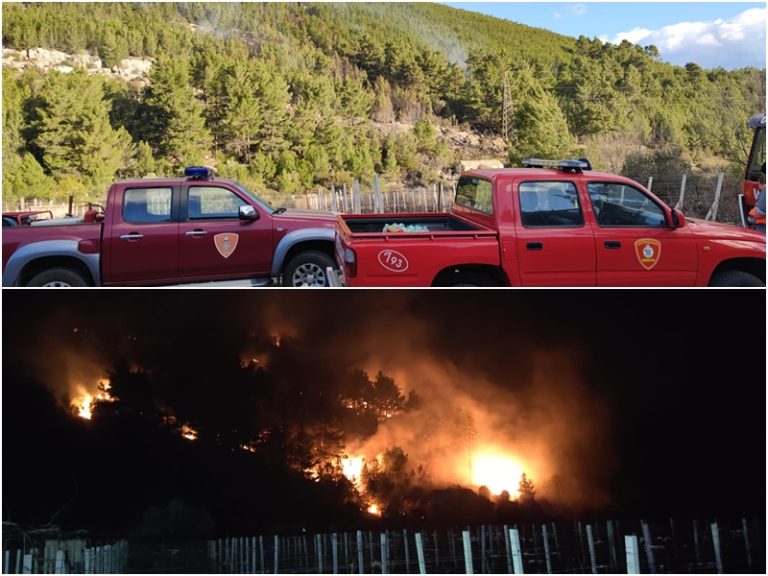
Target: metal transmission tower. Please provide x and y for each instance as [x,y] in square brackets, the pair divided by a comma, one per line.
[507,111]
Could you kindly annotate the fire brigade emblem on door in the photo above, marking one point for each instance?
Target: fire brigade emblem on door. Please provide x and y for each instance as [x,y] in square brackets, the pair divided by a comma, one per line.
[648,252]
[226,243]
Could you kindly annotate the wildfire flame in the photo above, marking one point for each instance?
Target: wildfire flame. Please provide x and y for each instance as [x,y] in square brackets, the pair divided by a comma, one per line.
[374,509]
[352,468]
[188,432]
[84,402]
[498,472]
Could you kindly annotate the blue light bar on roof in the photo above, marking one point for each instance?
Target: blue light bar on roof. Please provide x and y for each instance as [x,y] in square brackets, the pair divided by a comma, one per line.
[582,164]
[199,172]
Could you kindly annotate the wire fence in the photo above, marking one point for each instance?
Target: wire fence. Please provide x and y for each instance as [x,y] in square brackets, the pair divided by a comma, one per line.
[598,547]
[715,195]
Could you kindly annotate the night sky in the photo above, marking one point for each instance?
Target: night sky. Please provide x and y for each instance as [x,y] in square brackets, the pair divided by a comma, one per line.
[635,403]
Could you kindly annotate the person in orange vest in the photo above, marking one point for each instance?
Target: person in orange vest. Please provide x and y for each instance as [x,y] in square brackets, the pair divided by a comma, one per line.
[757,214]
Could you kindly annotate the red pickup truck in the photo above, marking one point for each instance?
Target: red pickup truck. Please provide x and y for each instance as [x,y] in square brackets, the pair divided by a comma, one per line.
[551,223]
[196,229]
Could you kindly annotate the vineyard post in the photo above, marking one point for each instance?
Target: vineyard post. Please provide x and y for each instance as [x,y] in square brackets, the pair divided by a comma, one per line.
[360,568]
[712,214]
[650,183]
[261,553]
[420,553]
[746,543]
[276,554]
[7,562]
[60,567]
[483,551]
[508,548]
[591,544]
[716,544]
[696,544]
[468,568]
[384,553]
[681,199]
[546,548]
[28,563]
[407,552]
[648,546]
[335,552]
[517,556]
[319,553]
[633,554]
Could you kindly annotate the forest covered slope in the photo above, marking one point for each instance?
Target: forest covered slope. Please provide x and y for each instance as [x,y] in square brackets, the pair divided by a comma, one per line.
[289,97]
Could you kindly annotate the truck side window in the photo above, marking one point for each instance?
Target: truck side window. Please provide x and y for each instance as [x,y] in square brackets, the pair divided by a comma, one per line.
[475,193]
[617,204]
[549,204]
[147,205]
[212,203]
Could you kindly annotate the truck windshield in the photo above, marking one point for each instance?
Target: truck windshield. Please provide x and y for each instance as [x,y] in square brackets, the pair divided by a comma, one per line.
[264,205]
[475,193]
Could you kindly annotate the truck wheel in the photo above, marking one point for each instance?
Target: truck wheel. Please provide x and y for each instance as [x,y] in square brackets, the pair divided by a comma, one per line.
[58,278]
[308,269]
[736,279]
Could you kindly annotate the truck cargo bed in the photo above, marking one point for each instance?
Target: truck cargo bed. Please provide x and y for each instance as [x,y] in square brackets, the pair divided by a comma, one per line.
[436,223]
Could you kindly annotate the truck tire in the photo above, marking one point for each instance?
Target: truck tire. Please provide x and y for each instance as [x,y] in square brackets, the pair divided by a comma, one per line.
[736,279]
[58,278]
[308,269]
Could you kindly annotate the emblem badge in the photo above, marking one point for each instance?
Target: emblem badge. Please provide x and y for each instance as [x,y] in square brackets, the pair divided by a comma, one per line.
[648,252]
[226,243]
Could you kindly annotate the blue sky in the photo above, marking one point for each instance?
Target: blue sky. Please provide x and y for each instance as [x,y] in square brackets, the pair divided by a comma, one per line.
[712,34]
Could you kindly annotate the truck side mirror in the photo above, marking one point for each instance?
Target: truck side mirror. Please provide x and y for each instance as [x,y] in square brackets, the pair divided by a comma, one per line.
[678,220]
[248,213]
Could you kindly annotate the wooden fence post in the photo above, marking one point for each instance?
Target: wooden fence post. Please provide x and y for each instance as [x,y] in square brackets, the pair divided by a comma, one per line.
[633,554]
[591,545]
[681,199]
[261,553]
[377,199]
[650,183]
[356,203]
[483,551]
[712,214]
[648,541]
[437,550]
[547,558]
[60,565]
[716,544]
[517,554]
[28,562]
[360,562]
[7,562]
[468,568]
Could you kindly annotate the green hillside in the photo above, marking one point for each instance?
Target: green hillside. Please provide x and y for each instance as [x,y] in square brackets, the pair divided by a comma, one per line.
[291,96]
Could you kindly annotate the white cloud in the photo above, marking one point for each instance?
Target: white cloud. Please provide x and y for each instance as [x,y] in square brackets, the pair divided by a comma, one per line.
[579,9]
[732,43]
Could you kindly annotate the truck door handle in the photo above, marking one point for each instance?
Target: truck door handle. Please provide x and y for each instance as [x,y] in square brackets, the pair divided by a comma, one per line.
[132,236]
[613,244]
[534,245]
[196,233]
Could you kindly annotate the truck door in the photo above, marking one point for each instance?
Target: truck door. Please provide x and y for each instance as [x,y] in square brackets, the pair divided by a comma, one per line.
[142,244]
[554,246]
[634,244]
[214,243]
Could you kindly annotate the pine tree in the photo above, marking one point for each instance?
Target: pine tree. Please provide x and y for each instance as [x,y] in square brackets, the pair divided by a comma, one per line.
[176,127]
[73,130]
[526,489]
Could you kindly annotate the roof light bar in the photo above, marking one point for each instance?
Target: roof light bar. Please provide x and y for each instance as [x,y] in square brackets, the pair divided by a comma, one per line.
[574,165]
[199,172]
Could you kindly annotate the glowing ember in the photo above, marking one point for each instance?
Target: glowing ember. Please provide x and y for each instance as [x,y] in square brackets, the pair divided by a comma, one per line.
[276,339]
[84,406]
[188,432]
[374,509]
[496,471]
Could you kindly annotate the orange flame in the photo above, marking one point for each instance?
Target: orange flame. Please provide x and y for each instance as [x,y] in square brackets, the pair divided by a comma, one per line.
[188,432]
[84,402]
[496,471]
